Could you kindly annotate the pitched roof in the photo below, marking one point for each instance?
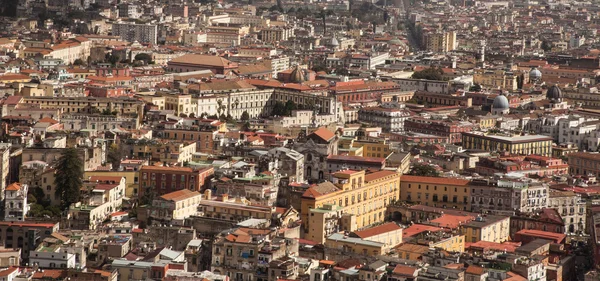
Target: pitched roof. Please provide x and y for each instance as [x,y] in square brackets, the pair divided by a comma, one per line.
[15,186]
[324,134]
[404,270]
[378,175]
[320,189]
[204,60]
[180,195]
[476,270]
[435,180]
[376,230]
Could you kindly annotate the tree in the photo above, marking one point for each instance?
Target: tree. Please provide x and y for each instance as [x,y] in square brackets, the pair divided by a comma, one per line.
[112,59]
[318,68]
[289,107]
[431,73]
[245,116]
[546,46]
[78,62]
[114,155]
[278,109]
[424,171]
[475,88]
[342,71]
[246,126]
[147,58]
[69,174]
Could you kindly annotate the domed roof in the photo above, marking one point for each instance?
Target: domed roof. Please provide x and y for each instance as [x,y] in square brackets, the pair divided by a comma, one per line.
[500,102]
[297,75]
[554,93]
[334,42]
[395,41]
[535,74]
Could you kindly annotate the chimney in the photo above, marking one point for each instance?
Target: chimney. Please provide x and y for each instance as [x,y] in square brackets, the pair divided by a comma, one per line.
[224,197]
[208,194]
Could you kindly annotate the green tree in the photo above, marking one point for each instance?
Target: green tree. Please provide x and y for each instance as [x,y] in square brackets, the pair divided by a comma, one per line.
[318,68]
[246,126]
[289,107]
[147,58]
[546,46]
[424,171]
[78,62]
[278,109]
[245,116]
[112,59]
[342,71]
[431,73]
[69,174]
[114,155]
[475,88]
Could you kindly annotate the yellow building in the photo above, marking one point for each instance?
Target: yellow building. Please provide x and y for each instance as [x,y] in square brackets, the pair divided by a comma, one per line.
[411,251]
[380,149]
[485,122]
[363,197]
[487,228]
[518,144]
[496,79]
[436,192]
[439,42]
[454,243]
[131,179]
[235,209]
[389,234]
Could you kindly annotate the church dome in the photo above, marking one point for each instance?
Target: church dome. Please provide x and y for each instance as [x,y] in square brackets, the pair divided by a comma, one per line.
[297,75]
[554,93]
[334,42]
[395,41]
[535,74]
[500,102]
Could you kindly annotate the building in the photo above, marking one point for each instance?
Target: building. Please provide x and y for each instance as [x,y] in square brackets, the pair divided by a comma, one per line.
[52,257]
[337,163]
[4,167]
[584,163]
[143,33]
[176,205]
[505,195]
[14,234]
[452,130]
[362,196]
[276,34]
[194,62]
[439,42]
[487,228]
[571,208]
[316,147]
[525,145]
[163,180]
[390,118]
[496,79]
[101,196]
[15,202]
[436,192]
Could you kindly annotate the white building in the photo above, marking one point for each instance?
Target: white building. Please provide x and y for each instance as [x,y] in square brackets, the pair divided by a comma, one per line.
[52,257]
[571,208]
[15,202]
[390,117]
[177,205]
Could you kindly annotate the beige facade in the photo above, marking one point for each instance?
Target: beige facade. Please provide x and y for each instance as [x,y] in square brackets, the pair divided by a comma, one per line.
[487,228]
[496,79]
[176,205]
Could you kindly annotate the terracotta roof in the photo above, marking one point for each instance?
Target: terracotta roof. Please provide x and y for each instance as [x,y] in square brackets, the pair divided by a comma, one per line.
[476,270]
[384,228]
[378,175]
[452,221]
[180,195]
[320,189]
[556,237]
[8,271]
[418,228]
[435,180]
[324,134]
[50,274]
[404,270]
[48,120]
[15,186]
[203,60]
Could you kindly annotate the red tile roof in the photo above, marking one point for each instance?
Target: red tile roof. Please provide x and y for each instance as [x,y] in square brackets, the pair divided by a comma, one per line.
[324,134]
[379,174]
[556,237]
[435,180]
[476,270]
[384,228]
[418,228]
[452,221]
[15,186]
[404,270]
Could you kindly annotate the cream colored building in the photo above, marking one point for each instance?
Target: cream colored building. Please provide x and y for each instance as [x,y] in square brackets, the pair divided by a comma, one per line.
[181,104]
[487,228]
[389,234]
[496,79]
[5,168]
[440,42]
[363,196]
[177,205]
